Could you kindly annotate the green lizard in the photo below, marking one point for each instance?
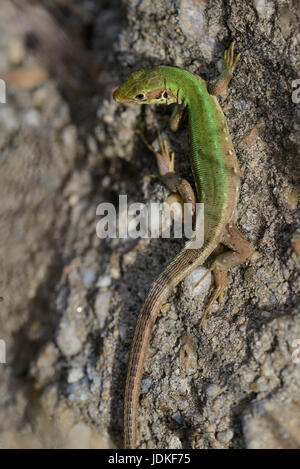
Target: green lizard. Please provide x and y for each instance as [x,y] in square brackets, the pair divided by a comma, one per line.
[217,177]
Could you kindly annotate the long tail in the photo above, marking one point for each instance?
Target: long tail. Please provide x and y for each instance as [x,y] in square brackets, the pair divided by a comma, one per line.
[184,263]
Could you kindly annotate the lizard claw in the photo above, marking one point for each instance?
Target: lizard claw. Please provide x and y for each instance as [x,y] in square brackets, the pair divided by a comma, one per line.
[229,61]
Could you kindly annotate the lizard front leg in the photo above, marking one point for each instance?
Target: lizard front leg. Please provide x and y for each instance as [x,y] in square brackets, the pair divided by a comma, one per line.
[220,85]
[167,174]
[178,116]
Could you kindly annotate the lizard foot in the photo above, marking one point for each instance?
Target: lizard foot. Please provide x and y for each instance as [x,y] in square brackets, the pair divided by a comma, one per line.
[220,274]
[230,62]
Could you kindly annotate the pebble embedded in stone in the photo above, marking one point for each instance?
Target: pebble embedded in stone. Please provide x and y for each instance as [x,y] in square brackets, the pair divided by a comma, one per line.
[75,375]
[102,304]
[67,339]
[194,277]
[225,436]
[104,281]
[146,383]
[264,8]
[213,390]
[177,417]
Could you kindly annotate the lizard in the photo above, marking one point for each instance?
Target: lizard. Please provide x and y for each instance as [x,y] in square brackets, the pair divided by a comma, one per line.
[217,176]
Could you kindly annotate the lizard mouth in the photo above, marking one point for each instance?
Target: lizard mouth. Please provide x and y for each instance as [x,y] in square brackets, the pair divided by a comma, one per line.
[117,96]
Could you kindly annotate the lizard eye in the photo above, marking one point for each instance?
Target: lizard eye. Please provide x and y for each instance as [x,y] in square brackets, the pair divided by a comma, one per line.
[140,96]
[165,95]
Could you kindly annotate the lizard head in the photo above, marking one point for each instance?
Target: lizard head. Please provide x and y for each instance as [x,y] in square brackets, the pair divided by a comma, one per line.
[145,87]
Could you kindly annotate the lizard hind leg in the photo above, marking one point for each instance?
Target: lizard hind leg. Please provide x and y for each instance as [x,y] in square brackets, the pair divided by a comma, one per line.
[241,251]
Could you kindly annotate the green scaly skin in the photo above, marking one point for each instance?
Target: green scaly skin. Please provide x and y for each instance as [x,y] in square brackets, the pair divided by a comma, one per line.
[217,178]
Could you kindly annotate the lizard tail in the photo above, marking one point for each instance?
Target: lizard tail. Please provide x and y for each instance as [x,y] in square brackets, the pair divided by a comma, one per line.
[184,263]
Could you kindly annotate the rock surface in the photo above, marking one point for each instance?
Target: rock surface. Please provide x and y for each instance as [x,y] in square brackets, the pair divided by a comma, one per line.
[70,299]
